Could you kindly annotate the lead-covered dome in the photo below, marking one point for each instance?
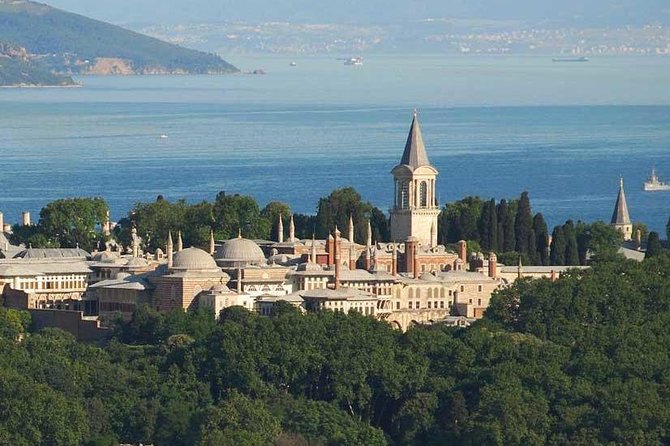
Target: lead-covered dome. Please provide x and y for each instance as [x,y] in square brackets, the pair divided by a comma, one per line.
[193,259]
[240,250]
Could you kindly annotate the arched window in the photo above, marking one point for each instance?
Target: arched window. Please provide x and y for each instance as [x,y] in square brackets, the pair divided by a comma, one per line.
[423,194]
[404,195]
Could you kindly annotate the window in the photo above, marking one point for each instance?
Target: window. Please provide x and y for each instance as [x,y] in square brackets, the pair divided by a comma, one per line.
[409,304]
[429,305]
[479,302]
[418,304]
[423,194]
[462,288]
[397,305]
[404,195]
[479,288]
[442,304]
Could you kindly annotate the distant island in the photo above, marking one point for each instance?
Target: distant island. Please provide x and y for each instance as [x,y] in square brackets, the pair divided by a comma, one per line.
[44,46]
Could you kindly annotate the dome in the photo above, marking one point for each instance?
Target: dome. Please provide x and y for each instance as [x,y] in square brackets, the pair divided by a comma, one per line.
[240,250]
[310,267]
[137,262]
[193,259]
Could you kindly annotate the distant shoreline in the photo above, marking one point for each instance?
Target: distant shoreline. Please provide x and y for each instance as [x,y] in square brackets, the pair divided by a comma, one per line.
[42,86]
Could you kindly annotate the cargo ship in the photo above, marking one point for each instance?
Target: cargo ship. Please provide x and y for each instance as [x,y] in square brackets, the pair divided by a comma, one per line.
[654,183]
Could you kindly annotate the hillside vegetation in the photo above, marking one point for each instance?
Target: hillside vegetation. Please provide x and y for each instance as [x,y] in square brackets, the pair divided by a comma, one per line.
[16,69]
[74,44]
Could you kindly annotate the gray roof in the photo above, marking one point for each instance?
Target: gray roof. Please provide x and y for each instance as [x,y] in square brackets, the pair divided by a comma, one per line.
[415,152]
[539,269]
[343,293]
[53,253]
[40,267]
[620,215]
[127,283]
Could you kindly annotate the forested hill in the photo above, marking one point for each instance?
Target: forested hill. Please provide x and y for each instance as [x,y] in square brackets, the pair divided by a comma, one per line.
[74,44]
[16,69]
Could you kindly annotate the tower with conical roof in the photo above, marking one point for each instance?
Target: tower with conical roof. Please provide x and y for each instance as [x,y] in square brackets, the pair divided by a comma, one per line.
[415,210]
[620,217]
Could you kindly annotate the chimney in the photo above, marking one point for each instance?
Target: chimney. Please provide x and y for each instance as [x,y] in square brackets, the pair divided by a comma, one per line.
[493,265]
[463,251]
[136,243]
[351,228]
[169,250]
[638,238]
[280,230]
[313,250]
[415,262]
[368,246]
[519,274]
[330,249]
[552,276]
[352,257]
[106,226]
[291,230]
[26,218]
[410,255]
[212,245]
[338,246]
[180,242]
[433,235]
[2,222]
[394,261]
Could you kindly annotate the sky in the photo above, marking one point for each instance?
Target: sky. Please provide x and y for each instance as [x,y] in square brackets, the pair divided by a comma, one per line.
[576,12]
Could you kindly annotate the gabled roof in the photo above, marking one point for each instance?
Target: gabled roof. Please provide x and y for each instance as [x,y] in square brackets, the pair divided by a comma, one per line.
[620,215]
[415,152]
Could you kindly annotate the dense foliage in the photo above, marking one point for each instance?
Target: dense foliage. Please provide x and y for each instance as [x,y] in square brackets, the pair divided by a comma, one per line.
[45,30]
[16,69]
[511,230]
[583,360]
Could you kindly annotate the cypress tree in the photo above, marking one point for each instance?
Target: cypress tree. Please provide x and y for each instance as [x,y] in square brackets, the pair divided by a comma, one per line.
[493,224]
[541,239]
[667,230]
[485,229]
[653,245]
[533,257]
[510,243]
[558,244]
[502,218]
[571,248]
[523,224]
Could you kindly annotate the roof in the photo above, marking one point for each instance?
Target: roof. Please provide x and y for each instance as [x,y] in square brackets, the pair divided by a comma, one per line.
[620,215]
[343,293]
[241,250]
[125,282]
[539,269]
[415,152]
[194,259]
[20,267]
[53,253]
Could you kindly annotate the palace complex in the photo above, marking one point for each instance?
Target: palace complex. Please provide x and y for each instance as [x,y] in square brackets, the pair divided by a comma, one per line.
[404,281]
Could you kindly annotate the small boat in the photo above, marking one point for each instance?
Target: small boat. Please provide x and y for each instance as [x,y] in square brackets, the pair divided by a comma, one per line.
[354,61]
[654,183]
[163,136]
[293,64]
[570,59]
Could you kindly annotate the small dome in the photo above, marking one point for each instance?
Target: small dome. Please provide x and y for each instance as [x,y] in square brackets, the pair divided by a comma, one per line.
[137,262]
[193,259]
[240,250]
[106,256]
[310,267]
[220,289]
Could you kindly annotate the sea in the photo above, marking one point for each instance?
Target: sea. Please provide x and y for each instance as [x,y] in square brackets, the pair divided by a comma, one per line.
[493,126]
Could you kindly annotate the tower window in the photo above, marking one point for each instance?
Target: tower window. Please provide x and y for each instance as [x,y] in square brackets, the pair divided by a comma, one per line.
[404,195]
[423,194]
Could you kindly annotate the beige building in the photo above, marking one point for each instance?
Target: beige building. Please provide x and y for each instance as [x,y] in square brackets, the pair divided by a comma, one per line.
[415,208]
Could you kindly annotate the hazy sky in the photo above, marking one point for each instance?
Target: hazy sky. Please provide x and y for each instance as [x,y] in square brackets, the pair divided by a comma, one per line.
[586,12]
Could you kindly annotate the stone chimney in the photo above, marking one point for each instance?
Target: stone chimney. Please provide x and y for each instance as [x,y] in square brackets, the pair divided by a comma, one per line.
[106,226]
[638,239]
[212,245]
[136,243]
[180,242]
[433,235]
[2,222]
[338,247]
[368,246]
[463,251]
[291,230]
[280,230]
[26,218]
[169,250]
[493,265]
[553,276]
[330,249]
[313,250]
[411,245]
[394,261]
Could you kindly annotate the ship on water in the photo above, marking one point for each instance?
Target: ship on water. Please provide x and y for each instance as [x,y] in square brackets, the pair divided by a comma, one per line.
[654,183]
[570,59]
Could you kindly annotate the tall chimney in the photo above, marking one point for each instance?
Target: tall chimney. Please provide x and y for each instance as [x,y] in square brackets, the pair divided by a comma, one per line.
[493,265]
[2,222]
[291,230]
[280,230]
[180,242]
[313,250]
[351,228]
[106,226]
[136,243]
[638,238]
[368,246]
[212,245]
[410,255]
[26,218]
[394,261]
[338,246]
[330,248]
[415,262]
[169,250]
[433,235]
[463,251]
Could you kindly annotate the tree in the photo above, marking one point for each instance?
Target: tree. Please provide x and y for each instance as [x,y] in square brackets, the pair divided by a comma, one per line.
[488,226]
[558,246]
[523,225]
[654,248]
[461,219]
[73,222]
[503,211]
[153,221]
[339,206]
[271,212]
[239,213]
[571,248]
[542,239]
[667,230]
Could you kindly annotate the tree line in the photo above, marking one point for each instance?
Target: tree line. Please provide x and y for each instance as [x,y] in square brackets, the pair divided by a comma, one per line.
[582,360]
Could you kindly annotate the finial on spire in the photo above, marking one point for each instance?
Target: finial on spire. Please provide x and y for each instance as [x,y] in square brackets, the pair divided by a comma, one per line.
[415,112]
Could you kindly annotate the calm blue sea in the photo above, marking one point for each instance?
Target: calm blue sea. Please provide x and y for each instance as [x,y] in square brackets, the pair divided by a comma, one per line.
[493,127]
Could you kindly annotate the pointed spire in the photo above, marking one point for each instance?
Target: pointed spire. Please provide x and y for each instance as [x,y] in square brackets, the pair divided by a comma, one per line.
[351,228]
[212,245]
[291,230]
[180,242]
[368,240]
[415,152]
[620,215]
[280,230]
[169,249]
[313,250]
